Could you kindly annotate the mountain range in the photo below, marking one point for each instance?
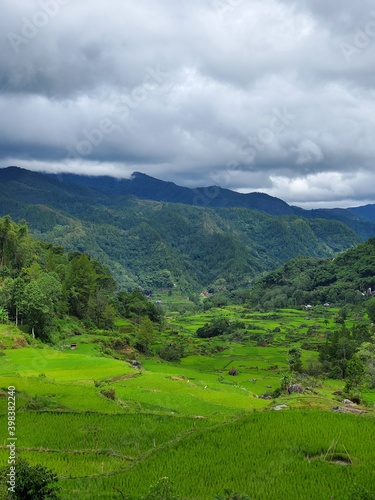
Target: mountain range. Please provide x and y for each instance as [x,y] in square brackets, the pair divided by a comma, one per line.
[155,234]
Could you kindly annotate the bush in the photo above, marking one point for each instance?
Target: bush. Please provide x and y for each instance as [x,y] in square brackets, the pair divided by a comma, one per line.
[33,483]
[171,351]
[162,490]
[214,329]
[314,367]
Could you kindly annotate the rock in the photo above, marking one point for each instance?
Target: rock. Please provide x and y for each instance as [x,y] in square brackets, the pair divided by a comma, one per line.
[265,396]
[134,363]
[348,402]
[295,388]
[346,409]
[280,407]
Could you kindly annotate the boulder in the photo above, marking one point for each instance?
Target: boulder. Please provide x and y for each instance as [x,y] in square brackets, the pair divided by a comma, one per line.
[295,388]
[348,402]
[135,363]
[265,396]
[280,407]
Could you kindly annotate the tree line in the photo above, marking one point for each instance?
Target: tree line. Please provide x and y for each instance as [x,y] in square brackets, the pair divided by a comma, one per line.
[40,282]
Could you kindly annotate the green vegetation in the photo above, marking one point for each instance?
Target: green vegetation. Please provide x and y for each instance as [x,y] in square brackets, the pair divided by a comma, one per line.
[41,284]
[124,398]
[32,483]
[191,421]
[346,279]
[169,246]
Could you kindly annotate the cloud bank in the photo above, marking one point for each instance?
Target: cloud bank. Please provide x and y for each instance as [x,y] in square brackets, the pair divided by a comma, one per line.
[264,95]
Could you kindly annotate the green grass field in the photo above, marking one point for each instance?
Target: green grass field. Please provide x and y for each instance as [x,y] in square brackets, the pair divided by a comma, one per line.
[189,420]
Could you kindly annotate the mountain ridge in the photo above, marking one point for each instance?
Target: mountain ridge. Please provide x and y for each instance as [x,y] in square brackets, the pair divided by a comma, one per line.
[147,187]
[159,244]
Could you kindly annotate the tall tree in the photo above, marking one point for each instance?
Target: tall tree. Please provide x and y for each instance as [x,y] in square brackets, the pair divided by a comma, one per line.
[36,307]
[295,359]
[145,336]
[80,284]
[355,373]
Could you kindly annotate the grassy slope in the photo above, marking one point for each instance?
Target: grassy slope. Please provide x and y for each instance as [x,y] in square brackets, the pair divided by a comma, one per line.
[150,431]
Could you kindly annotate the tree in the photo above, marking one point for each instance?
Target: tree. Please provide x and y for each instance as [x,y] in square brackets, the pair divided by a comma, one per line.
[80,284]
[295,359]
[367,354]
[100,311]
[3,316]
[171,351]
[33,482]
[355,372]
[370,308]
[145,336]
[218,326]
[135,305]
[11,296]
[335,354]
[36,307]
[52,288]
[285,380]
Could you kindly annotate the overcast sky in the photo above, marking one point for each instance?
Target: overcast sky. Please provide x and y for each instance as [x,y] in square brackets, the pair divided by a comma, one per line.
[252,95]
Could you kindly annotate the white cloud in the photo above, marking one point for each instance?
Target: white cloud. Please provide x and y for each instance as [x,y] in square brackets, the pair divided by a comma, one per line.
[183,90]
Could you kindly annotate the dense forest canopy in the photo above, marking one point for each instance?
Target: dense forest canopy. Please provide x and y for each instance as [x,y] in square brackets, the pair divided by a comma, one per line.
[40,282]
[347,278]
[164,244]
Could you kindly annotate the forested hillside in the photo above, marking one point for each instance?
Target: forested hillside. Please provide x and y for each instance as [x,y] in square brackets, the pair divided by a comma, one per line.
[40,283]
[345,279]
[159,245]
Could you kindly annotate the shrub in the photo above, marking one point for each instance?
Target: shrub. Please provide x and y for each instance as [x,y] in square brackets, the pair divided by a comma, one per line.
[33,482]
[171,351]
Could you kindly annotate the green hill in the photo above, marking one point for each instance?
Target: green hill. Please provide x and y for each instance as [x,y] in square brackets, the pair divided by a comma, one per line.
[346,278]
[160,245]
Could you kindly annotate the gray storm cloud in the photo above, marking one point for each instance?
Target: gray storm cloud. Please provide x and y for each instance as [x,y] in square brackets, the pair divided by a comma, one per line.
[265,95]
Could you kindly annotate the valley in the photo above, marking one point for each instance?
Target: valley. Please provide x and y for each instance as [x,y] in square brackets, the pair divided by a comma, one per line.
[120,428]
[233,357]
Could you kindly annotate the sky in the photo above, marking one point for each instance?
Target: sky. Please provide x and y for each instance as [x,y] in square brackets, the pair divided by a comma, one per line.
[276,96]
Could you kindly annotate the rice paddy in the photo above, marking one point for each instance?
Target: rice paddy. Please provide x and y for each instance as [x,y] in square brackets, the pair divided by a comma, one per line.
[190,420]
